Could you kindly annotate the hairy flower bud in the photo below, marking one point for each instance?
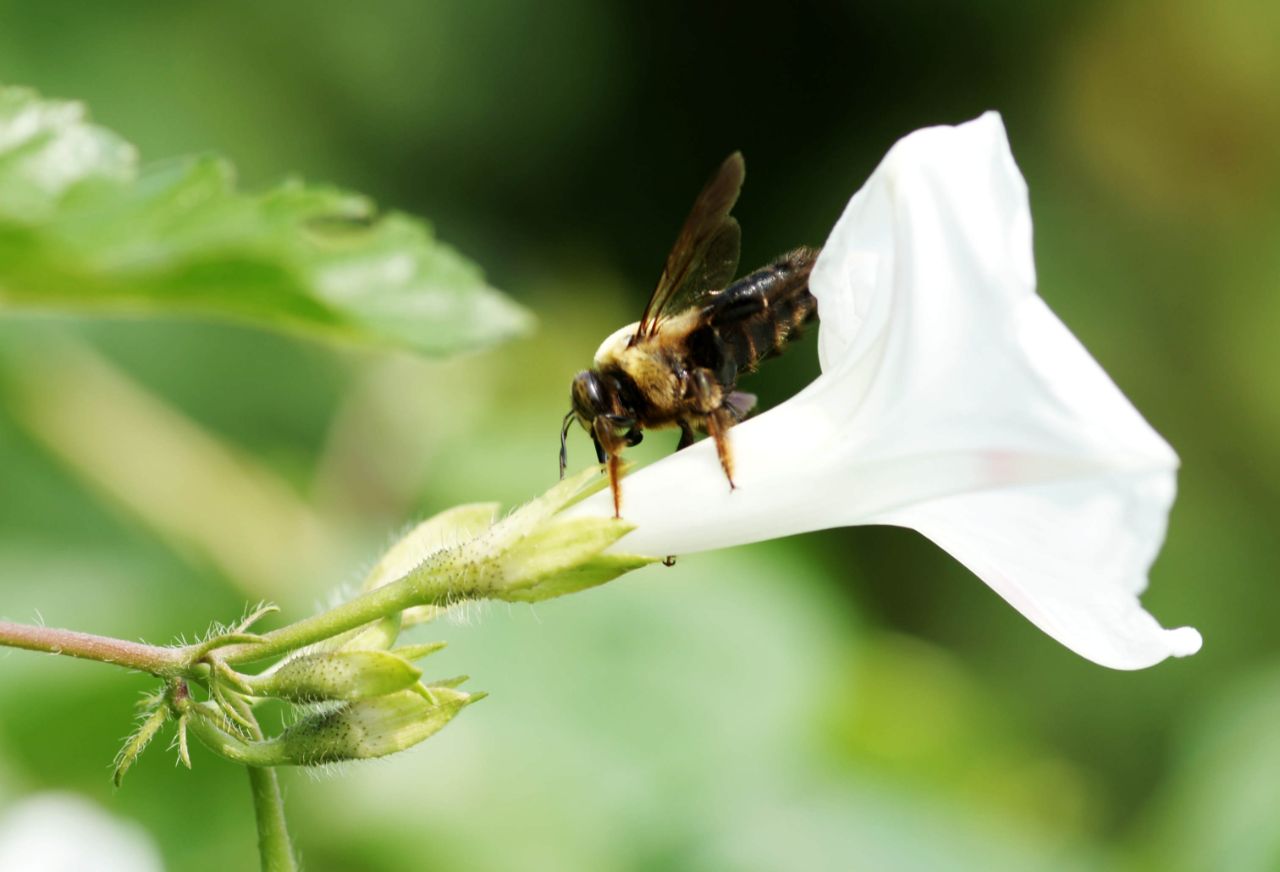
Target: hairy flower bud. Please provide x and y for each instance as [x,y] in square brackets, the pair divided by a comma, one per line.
[536,553]
[337,675]
[533,554]
[371,727]
[357,730]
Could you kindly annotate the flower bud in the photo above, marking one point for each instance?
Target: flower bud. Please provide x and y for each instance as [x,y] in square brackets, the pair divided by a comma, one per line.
[337,675]
[357,730]
[533,554]
[370,727]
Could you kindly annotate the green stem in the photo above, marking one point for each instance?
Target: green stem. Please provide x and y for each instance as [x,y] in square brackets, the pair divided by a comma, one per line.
[430,584]
[425,586]
[159,661]
[274,846]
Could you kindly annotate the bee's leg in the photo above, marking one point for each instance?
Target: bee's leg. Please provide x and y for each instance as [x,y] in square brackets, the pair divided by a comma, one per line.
[686,435]
[718,424]
[607,447]
[600,455]
[719,419]
[615,465]
[702,391]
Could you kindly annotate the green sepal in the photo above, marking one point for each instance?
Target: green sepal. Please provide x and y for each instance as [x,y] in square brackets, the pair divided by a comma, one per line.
[220,736]
[559,497]
[157,717]
[456,681]
[417,652]
[375,636]
[596,571]
[449,527]
[537,566]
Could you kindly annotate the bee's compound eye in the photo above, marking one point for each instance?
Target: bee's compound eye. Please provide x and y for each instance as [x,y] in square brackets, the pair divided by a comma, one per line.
[595,392]
[588,396]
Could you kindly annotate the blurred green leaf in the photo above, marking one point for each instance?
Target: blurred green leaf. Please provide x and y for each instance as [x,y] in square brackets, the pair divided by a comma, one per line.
[1218,810]
[81,228]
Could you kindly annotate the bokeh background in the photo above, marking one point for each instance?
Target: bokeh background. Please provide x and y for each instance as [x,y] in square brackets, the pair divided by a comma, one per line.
[847,700]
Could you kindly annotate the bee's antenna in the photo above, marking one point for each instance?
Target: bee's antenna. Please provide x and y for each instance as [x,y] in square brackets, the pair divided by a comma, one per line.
[564,435]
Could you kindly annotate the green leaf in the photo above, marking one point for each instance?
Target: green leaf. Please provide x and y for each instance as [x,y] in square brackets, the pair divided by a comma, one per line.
[83,229]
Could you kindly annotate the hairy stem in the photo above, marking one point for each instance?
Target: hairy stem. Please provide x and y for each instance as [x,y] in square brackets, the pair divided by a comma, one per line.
[157,660]
[428,585]
[274,845]
[275,848]
[434,583]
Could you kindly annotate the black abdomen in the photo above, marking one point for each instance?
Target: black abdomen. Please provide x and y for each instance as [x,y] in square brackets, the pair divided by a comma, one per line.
[755,316]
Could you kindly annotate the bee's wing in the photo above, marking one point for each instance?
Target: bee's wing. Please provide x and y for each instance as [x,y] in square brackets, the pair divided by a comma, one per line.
[705,256]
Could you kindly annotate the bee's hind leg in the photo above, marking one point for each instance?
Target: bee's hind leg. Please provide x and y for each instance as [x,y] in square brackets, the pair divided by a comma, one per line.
[718,424]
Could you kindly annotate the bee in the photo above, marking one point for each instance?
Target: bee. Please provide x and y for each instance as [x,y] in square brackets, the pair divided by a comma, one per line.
[678,366]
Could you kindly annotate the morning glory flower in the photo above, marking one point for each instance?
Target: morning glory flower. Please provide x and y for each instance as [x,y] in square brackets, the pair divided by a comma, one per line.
[951,401]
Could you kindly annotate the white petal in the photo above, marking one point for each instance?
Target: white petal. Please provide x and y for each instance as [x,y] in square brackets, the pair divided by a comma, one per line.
[952,401]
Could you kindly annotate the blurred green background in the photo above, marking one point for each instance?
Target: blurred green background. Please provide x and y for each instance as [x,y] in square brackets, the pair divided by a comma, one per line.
[848,700]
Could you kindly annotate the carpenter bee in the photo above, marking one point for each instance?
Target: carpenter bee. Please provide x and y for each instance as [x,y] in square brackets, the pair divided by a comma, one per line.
[678,366]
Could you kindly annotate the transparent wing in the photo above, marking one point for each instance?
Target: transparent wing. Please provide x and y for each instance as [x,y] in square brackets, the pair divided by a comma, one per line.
[705,255]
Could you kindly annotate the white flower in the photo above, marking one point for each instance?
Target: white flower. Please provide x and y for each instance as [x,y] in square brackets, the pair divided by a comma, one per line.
[951,401]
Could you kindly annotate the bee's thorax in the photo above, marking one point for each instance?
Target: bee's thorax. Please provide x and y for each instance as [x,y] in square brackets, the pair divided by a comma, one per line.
[617,342]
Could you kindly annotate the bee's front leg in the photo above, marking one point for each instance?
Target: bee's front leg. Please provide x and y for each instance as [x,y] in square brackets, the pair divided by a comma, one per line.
[608,445]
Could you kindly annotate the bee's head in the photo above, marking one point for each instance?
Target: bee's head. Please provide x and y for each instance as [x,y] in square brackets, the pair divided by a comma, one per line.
[591,397]
[599,399]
